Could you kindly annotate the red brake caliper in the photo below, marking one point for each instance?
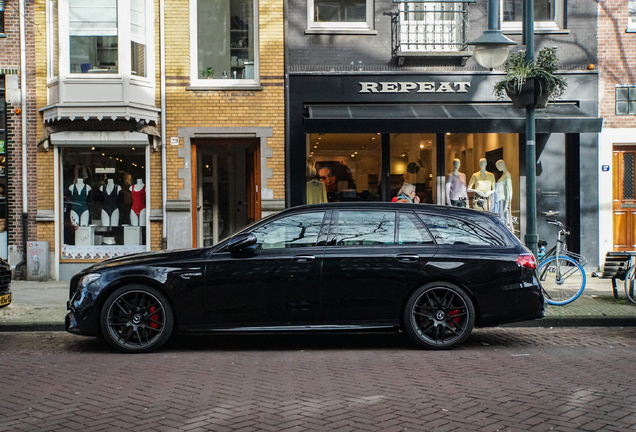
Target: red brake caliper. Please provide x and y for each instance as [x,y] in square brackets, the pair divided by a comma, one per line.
[154,317]
[454,312]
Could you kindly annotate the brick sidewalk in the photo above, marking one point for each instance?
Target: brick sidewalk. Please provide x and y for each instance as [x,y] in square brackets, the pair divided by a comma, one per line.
[42,306]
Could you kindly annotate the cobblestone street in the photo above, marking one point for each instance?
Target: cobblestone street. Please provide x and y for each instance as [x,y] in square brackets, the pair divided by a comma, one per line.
[512,379]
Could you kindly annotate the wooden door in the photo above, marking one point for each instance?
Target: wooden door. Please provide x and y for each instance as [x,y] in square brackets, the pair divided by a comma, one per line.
[253,171]
[624,198]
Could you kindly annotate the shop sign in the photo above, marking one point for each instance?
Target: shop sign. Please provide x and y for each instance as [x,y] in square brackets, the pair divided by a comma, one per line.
[415,87]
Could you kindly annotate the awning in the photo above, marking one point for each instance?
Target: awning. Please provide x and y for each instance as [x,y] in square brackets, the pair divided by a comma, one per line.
[457,118]
[99,138]
[8,71]
[92,132]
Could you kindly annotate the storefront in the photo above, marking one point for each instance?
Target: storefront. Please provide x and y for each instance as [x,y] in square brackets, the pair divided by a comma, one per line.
[366,134]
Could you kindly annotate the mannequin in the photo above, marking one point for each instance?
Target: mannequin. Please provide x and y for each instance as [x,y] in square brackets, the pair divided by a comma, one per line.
[456,194]
[110,210]
[503,194]
[482,183]
[316,190]
[79,209]
[138,210]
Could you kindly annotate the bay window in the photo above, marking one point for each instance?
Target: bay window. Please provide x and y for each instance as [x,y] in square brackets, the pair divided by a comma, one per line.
[93,36]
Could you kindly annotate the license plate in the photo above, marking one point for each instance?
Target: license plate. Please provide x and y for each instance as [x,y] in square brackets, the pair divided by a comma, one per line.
[5,300]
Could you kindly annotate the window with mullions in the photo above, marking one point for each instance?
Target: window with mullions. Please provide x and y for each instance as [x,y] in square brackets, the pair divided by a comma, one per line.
[631,20]
[548,15]
[626,100]
[340,14]
[93,36]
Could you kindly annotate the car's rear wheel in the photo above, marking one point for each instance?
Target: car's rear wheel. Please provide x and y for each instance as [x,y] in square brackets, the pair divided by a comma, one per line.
[439,315]
[137,319]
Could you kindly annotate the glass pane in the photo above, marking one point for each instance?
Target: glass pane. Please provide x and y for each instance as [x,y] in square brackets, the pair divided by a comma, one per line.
[104,202]
[543,10]
[628,176]
[138,35]
[411,231]
[300,230]
[94,54]
[632,93]
[621,108]
[340,11]
[631,107]
[414,161]
[622,93]
[454,231]
[138,59]
[225,39]
[348,165]
[366,228]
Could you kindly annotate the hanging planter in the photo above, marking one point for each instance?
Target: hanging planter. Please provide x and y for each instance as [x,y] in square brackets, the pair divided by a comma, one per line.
[531,83]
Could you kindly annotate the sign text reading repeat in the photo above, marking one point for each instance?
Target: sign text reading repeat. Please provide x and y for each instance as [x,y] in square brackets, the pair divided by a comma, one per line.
[418,87]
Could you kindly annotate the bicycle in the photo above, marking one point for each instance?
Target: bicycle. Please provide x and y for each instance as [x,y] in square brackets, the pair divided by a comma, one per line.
[561,273]
[630,283]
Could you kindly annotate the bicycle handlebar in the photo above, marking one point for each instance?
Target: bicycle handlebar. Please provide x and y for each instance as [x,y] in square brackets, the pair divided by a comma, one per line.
[559,224]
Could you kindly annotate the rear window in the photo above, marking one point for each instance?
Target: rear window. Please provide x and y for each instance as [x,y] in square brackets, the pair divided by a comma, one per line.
[447,230]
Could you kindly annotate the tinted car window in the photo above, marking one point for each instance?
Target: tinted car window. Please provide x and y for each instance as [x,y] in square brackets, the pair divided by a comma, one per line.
[366,227]
[411,230]
[447,230]
[299,230]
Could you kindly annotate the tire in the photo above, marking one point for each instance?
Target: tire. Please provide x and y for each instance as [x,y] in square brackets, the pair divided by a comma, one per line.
[569,288]
[630,285]
[439,316]
[137,319]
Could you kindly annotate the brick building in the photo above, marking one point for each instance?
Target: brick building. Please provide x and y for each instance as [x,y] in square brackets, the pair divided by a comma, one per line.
[18,201]
[161,124]
[617,141]
[385,92]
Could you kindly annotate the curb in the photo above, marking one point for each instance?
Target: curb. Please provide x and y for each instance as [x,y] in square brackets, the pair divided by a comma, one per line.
[32,327]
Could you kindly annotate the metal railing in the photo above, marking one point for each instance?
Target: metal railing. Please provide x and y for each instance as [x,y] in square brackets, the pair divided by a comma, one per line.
[428,26]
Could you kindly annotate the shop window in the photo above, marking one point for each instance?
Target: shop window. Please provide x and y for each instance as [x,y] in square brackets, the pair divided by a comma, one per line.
[225,34]
[340,15]
[294,231]
[104,202]
[343,167]
[414,161]
[626,100]
[548,15]
[93,36]
[631,19]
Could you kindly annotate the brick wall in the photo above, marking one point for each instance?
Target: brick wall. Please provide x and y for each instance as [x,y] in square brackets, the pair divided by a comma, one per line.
[617,60]
[10,57]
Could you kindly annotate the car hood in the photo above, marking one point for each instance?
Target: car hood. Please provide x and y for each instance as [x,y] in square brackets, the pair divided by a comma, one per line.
[148,258]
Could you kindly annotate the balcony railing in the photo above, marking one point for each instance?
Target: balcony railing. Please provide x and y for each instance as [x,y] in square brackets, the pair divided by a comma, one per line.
[429,26]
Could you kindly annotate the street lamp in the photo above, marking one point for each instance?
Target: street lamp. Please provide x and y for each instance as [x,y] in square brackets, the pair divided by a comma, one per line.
[491,48]
[531,238]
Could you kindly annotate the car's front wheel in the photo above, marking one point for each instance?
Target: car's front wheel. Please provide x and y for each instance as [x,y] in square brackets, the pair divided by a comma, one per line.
[439,315]
[137,319]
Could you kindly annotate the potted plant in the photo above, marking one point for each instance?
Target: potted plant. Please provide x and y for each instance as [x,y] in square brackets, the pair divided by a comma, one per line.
[535,82]
[207,73]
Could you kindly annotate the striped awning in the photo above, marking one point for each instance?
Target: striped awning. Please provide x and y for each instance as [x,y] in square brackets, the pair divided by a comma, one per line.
[8,71]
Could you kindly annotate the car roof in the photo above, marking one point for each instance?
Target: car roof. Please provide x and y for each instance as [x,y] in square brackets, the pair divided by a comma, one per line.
[375,205]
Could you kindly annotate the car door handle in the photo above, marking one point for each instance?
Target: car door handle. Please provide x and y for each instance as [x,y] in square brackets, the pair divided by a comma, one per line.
[303,258]
[407,257]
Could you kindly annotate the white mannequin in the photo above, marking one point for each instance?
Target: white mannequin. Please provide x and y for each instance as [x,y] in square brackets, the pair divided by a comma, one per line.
[456,194]
[503,194]
[82,218]
[483,184]
[138,218]
[113,218]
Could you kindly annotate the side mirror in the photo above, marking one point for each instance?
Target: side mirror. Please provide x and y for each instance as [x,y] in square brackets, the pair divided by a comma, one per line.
[241,241]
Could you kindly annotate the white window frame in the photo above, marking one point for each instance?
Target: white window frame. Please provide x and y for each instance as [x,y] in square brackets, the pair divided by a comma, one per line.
[124,37]
[335,27]
[228,83]
[539,26]
[50,39]
[631,19]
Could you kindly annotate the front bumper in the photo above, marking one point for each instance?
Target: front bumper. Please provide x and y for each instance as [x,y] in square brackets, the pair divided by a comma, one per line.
[5,299]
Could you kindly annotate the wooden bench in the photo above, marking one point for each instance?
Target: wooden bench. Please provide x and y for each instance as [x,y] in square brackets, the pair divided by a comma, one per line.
[616,266]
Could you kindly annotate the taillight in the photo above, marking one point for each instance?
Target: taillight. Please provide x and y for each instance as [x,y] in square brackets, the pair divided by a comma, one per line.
[527,261]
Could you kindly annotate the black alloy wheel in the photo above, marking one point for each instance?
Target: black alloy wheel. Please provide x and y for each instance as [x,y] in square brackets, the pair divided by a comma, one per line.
[137,319]
[439,315]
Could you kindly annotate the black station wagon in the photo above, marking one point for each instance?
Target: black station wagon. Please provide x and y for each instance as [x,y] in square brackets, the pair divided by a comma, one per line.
[432,271]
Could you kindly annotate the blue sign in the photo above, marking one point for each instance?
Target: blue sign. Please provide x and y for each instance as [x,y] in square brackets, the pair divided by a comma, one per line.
[605,168]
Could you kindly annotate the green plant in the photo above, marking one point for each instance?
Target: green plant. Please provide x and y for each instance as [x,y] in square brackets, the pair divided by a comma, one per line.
[544,67]
[207,73]
[414,167]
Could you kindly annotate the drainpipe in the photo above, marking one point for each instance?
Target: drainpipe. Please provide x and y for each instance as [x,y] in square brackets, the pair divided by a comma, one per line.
[23,85]
[162,66]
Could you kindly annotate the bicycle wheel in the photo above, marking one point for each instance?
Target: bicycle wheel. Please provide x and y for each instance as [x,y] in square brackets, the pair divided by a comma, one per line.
[630,285]
[567,288]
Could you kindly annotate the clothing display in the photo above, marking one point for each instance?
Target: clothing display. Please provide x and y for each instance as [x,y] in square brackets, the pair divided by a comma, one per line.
[456,186]
[138,200]
[316,192]
[78,199]
[110,200]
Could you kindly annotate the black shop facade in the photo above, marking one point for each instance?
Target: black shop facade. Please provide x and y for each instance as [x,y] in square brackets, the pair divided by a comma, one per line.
[363,135]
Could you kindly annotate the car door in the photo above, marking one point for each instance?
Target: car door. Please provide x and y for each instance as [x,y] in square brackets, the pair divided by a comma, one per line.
[274,283]
[372,261]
